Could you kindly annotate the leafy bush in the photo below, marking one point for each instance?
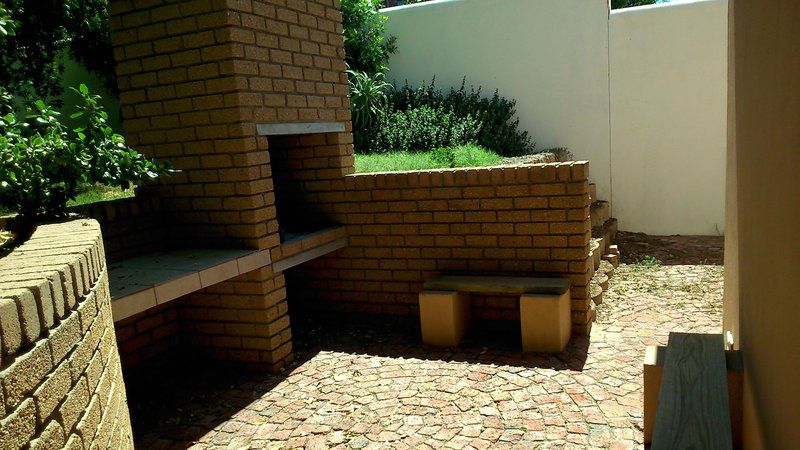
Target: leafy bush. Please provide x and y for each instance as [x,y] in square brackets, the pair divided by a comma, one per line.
[43,163]
[367,97]
[420,129]
[365,46]
[30,57]
[499,130]
[616,4]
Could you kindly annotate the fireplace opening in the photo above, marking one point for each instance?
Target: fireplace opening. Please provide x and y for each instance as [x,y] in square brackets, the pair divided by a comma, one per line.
[298,161]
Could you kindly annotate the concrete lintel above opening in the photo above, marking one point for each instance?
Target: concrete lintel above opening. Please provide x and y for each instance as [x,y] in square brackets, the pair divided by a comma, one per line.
[282,129]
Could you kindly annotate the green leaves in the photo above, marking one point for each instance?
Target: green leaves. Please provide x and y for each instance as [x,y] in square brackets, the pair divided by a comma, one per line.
[365,46]
[367,97]
[39,33]
[42,163]
[419,129]
[7,25]
[499,129]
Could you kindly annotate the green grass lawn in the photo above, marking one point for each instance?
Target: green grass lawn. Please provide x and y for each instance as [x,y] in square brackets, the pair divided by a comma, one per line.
[91,194]
[98,193]
[464,156]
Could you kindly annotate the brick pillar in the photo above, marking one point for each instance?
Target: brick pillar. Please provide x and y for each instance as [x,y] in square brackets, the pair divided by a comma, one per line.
[196,76]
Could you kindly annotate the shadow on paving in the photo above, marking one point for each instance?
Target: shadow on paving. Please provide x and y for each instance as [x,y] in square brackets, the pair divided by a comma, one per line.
[176,399]
[671,250]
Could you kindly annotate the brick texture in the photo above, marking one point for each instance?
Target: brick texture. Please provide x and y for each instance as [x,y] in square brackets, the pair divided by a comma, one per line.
[407,227]
[196,77]
[149,334]
[63,356]
[131,226]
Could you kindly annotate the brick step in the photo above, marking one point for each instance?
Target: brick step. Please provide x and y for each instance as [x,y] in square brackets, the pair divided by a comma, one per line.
[596,293]
[606,268]
[612,258]
[608,232]
[601,280]
[600,212]
[596,252]
[598,285]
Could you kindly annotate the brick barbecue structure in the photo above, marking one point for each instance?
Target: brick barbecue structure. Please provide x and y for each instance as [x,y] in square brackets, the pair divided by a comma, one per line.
[196,80]
[248,99]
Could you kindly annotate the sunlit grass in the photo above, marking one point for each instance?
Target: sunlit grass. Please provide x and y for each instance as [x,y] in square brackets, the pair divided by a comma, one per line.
[463,156]
[98,193]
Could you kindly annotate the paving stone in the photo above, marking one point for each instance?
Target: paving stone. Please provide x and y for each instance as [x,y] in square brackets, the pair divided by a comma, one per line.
[371,384]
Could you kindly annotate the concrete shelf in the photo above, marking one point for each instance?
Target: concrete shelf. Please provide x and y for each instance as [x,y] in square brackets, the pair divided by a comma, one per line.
[143,282]
[299,248]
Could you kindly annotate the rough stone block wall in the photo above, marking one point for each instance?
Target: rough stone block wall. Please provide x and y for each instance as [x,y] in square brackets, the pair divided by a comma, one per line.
[60,369]
[407,227]
[196,77]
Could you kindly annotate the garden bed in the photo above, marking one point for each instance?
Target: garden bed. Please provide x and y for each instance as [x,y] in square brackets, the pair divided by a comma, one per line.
[462,156]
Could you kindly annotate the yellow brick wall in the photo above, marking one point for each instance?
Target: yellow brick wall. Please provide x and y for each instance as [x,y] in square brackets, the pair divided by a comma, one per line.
[407,227]
[195,79]
[60,369]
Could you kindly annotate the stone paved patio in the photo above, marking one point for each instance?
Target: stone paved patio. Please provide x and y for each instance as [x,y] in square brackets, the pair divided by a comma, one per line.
[370,384]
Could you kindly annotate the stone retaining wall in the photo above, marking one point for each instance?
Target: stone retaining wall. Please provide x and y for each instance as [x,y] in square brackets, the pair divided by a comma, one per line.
[407,227]
[60,371]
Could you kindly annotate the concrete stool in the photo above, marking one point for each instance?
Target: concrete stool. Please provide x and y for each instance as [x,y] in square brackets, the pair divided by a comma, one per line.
[444,316]
[545,321]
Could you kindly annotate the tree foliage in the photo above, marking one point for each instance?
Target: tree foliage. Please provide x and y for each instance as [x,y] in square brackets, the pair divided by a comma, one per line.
[46,30]
[43,163]
[365,46]
[617,4]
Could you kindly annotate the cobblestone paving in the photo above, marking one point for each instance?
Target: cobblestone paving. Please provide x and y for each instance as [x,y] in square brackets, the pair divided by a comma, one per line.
[372,385]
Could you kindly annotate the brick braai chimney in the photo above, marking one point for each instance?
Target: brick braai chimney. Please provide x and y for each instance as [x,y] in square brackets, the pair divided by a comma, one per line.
[205,83]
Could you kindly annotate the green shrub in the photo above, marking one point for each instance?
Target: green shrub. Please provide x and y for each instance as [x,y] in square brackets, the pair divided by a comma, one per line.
[365,46]
[499,129]
[44,31]
[417,129]
[367,98]
[43,164]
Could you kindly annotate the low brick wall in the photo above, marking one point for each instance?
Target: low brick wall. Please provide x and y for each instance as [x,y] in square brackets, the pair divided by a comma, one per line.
[131,226]
[407,227]
[60,371]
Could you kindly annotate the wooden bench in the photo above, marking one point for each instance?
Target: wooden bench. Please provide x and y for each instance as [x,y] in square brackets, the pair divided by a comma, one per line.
[544,304]
[693,409]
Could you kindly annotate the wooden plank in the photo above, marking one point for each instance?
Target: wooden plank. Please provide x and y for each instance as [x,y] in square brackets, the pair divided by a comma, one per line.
[693,409]
[499,285]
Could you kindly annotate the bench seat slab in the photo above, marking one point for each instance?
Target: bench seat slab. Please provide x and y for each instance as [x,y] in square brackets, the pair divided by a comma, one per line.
[444,316]
[498,285]
[545,321]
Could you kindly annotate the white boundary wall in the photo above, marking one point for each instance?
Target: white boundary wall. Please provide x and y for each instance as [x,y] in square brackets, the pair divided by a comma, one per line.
[551,56]
[669,90]
[640,92]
